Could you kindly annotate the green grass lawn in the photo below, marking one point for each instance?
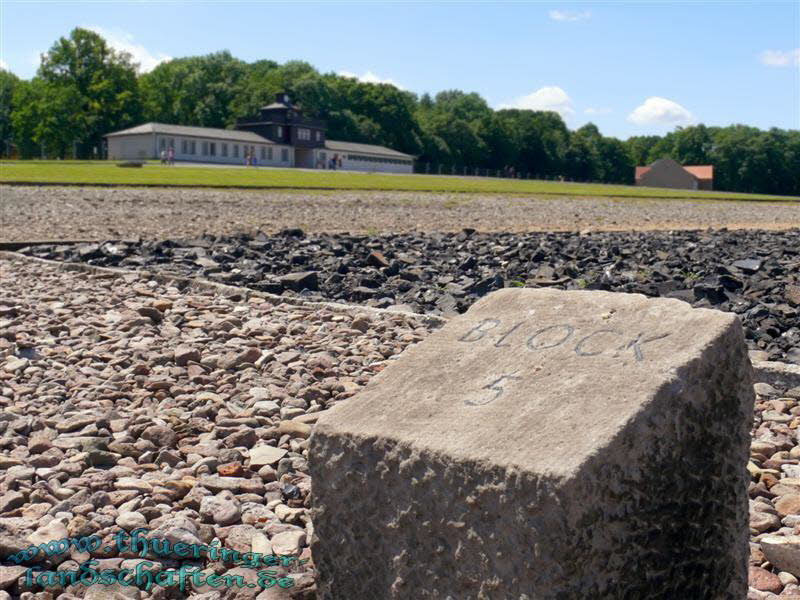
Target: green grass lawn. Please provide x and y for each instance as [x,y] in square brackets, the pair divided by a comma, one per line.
[100,173]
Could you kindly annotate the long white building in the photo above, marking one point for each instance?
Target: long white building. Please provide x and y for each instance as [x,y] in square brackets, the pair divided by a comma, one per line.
[279,137]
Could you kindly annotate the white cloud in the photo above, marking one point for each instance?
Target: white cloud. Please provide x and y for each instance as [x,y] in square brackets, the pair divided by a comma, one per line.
[569,15]
[370,77]
[780,58]
[546,98]
[597,111]
[660,111]
[123,41]
[3,65]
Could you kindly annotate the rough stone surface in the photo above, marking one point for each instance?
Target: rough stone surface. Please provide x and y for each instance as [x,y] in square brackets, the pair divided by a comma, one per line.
[555,444]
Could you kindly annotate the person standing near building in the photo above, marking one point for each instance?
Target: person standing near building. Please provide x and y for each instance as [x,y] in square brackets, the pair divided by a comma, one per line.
[171,156]
[163,157]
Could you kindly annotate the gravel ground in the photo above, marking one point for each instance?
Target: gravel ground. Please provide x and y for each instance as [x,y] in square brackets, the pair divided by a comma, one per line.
[755,274]
[74,213]
[125,403]
[775,494]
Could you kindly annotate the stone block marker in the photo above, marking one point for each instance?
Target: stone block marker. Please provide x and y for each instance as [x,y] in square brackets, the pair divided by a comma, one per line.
[546,444]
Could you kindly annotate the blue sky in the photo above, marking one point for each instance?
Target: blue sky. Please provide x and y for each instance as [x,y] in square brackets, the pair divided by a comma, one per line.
[630,67]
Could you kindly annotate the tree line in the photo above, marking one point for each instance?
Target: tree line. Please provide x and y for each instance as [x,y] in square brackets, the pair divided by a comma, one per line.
[84,89]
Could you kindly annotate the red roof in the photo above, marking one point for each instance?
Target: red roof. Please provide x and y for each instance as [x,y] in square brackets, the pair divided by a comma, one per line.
[702,172]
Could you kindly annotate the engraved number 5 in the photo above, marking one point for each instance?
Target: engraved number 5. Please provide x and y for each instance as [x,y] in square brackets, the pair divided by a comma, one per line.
[495,387]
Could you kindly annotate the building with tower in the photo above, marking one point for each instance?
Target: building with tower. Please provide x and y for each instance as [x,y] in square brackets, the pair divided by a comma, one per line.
[279,136]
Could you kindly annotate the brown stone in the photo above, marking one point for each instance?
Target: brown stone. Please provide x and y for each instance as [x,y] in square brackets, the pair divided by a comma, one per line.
[788,504]
[231,470]
[764,581]
[792,294]
[186,354]
[295,428]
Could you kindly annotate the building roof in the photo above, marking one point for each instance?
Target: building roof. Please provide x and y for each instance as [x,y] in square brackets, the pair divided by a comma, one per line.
[185,130]
[701,172]
[236,135]
[280,105]
[364,149]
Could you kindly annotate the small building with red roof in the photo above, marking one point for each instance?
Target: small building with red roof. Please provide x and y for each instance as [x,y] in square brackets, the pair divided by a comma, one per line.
[667,173]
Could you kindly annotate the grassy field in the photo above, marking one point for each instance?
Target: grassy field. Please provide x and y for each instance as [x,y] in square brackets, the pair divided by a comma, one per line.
[153,174]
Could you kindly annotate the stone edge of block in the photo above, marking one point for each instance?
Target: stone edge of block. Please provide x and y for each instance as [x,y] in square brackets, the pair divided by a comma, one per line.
[199,283]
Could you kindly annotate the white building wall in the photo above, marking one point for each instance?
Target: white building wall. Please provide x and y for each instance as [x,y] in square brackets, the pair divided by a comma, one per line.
[196,149]
[131,147]
[364,162]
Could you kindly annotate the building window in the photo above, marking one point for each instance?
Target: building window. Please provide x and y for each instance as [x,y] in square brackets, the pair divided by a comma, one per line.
[236,151]
[223,149]
[212,149]
[172,143]
[204,148]
[378,159]
[163,144]
[285,155]
[303,134]
[319,135]
[194,147]
[184,147]
[269,153]
[263,153]
[280,131]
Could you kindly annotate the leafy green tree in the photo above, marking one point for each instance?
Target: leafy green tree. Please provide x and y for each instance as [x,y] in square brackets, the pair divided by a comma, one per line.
[617,166]
[8,83]
[639,147]
[466,147]
[498,137]
[26,115]
[44,119]
[728,156]
[540,140]
[60,126]
[460,105]
[583,160]
[199,90]
[692,145]
[256,89]
[101,82]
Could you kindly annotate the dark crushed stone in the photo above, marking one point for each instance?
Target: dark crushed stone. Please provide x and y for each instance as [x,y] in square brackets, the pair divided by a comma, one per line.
[753,273]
